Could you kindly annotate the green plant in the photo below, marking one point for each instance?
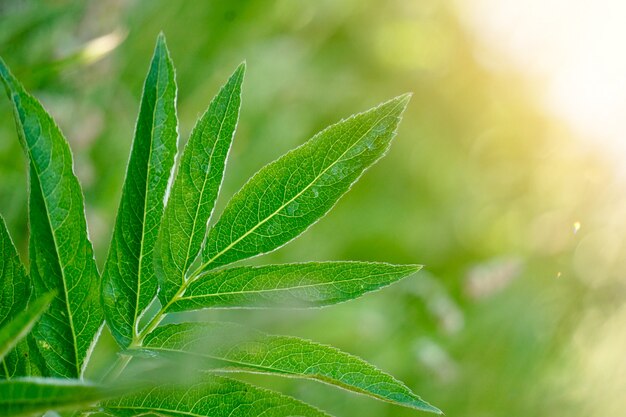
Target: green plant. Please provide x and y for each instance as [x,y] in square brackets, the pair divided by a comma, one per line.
[162,260]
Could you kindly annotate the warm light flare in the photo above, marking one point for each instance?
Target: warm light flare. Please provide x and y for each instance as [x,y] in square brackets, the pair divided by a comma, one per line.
[574,53]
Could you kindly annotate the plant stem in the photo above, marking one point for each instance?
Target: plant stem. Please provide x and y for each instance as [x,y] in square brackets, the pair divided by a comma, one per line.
[123,360]
[118,367]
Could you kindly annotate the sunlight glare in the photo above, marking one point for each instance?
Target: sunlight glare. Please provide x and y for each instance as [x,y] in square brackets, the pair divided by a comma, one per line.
[573,53]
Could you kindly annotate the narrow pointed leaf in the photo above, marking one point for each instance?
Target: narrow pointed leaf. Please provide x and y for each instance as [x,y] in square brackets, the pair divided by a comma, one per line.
[198,180]
[290,194]
[129,283]
[17,329]
[61,255]
[215,397]
[231,347]
[35,396]
[313,284]
[14,295]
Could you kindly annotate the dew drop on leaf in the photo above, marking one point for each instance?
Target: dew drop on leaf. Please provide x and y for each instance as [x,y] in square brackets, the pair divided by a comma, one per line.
[291,208]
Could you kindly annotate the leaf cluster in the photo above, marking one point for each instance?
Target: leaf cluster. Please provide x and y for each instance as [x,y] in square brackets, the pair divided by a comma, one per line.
[164,258]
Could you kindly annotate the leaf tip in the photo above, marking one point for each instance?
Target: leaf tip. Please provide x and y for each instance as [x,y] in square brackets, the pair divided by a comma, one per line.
[396,105]
[404,98]
[5,75]
[422,405]
[413,268]
[433,409]
[241,69]
[3,67]
[161,44]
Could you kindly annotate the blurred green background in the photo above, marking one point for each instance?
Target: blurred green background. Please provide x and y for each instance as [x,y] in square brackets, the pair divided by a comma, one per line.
[520,310]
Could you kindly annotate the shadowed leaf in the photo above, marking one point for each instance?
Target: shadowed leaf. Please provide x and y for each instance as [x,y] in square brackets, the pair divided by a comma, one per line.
[231,347]
[215,397]
[17,329]
[15,291]
[29,396]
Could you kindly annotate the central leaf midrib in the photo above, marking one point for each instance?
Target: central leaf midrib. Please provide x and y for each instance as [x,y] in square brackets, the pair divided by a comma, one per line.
[228,361]
[321,284]
[259,224]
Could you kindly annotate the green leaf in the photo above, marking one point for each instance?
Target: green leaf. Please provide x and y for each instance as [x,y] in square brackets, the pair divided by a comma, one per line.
[215,397]
[28,396]
[290,194]
[17,329]
[195,189]
[313,284]
[24,360]
[231,347]
[61,255]
[129,283]
[14,295]
[14,285]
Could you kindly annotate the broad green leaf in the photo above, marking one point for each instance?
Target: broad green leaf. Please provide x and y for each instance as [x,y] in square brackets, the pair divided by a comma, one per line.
[290,194]
[61,255]
[17,329]
[198,180]
[313,284]
[231,347]
[34,396]
[14,294]
[215,397]
[129,283]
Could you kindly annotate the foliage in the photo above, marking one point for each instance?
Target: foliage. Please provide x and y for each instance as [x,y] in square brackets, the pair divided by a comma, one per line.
[162,259]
